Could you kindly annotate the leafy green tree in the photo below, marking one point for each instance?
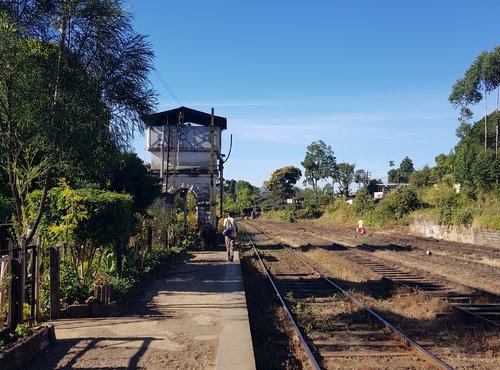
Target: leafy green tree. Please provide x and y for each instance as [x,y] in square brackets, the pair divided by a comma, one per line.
[246,194]
[230,188]
[402,174]
[444,166]
[345,177]
[362,203]
[464,128]
[319,163]
[483,75]
[393,176]
[492,75]
[311,205]
[400,202]
[85,219]
[469,163]
[35,144]
[475,168]
[281,185]
[421,178]
[360,177]
[67,71]
[129,174]
[372,186]
[405,169]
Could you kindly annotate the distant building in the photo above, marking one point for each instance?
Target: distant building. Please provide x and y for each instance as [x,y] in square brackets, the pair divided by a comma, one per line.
[384,189]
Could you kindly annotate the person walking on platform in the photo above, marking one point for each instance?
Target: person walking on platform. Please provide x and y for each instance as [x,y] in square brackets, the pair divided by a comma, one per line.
[229,232]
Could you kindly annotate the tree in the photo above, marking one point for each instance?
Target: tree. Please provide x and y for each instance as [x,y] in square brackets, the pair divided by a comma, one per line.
[405,170]
[319,163]
[402,174]
[77,68]
[444,166]
[400,202]
[421,178]
[362,203]
[473,167]
[35,144]
[483,74]
[129,174]
[280,184]
[492,75]
[372,186]
[392,174]
[230,188]
[246,194]
[360,177]
[345,177]
[464,128]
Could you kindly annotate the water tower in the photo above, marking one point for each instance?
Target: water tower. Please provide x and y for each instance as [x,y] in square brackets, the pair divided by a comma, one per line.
[185,146]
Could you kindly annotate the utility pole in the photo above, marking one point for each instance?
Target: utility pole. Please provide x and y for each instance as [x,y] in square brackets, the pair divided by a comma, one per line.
[221,184]
[213,219]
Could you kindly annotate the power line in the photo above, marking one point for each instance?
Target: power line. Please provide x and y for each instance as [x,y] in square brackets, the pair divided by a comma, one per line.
[165,84]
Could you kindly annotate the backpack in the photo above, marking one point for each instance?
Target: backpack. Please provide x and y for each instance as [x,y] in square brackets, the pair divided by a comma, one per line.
[228,230]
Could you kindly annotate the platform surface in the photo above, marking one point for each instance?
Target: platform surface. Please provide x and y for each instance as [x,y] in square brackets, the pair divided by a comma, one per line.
[195,318]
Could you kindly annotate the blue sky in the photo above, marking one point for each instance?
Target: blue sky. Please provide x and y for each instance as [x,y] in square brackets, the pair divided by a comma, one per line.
[369,78]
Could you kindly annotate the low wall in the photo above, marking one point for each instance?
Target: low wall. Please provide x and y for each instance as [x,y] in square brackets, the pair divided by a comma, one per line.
[22,353]
[430,228]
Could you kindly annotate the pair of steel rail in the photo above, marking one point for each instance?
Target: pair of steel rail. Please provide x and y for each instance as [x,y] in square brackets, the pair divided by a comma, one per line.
[420,351]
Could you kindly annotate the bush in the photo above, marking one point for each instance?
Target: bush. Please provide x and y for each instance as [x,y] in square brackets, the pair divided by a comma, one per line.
[22,331]
[362,203]
[341,212]
[6,209]
[72,288]
[191,241]
[395,207]
[488,211]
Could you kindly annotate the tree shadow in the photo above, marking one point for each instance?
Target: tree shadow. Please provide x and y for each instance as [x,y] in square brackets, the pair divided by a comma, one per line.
[78,348]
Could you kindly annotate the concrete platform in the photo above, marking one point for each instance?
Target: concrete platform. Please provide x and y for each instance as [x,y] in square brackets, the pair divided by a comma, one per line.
[195,318]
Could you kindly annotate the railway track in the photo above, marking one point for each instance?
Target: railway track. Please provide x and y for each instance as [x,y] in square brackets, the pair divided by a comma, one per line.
[480,305]
[340,331]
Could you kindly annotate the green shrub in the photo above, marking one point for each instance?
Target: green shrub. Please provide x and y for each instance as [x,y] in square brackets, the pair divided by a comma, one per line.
[488,211]
[22,330]
[283,215]
[463,217]
[122,285]
[191,241]
[340,212]
[401,201]
[72,288]
[6,209]
[362,203]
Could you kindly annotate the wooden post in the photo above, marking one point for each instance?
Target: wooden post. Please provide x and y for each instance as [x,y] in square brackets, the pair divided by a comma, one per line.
[36,293]
[15,288]
[54,282]
[149,238]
